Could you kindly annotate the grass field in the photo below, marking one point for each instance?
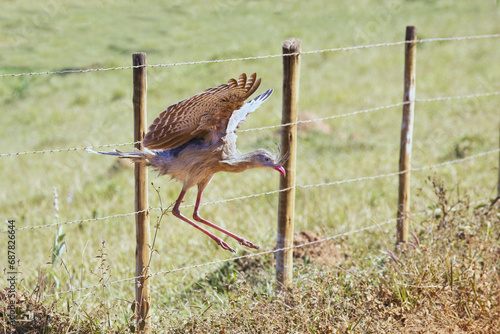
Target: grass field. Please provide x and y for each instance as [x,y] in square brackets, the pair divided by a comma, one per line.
[75,110]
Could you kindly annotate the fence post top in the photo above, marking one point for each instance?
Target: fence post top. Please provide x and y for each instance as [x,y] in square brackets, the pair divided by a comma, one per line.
[411,33]
[139,59]
[292,44]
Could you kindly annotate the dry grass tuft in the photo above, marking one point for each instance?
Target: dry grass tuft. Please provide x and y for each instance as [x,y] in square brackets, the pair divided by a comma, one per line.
[32,316]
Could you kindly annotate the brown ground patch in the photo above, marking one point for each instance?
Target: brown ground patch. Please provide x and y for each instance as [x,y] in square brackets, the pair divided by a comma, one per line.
[325,253]
[320,126]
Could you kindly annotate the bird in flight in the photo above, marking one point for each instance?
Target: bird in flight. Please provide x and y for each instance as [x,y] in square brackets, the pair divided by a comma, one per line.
[196,138]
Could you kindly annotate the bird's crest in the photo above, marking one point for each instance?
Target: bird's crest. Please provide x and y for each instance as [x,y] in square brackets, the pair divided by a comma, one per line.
[281,157]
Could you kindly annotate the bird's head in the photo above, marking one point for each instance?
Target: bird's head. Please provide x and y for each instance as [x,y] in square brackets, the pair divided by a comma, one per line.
[264,159]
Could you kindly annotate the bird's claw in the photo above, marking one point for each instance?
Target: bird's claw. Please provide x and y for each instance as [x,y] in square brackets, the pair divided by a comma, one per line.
[224,245]
[248,244]
[242,241]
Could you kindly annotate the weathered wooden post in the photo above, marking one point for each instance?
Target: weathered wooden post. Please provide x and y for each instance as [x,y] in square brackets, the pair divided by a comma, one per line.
[406,136]
[498,184]
[291,74]
[142,252]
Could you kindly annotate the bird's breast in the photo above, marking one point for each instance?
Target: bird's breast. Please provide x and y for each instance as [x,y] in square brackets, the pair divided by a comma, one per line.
[189,163]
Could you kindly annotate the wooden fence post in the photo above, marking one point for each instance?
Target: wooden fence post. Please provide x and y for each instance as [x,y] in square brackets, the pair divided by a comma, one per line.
[406,136]
[291,75]
[142,252]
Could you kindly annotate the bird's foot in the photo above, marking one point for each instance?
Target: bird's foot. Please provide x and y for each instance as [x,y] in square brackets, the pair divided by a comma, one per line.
[224,245]
[248,244]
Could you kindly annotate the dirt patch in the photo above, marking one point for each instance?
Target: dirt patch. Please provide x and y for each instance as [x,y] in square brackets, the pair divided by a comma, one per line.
[319,126]
[325,253]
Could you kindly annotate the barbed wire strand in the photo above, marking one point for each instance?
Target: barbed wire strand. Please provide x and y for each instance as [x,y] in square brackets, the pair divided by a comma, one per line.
[247,130]
[444,98]
[133,213]
[201,61]
[457,97]
[327,117]
[468,96]
[65,149]
[417,169]
[460,38]
[79,221]
[349,48]
[163,272]
[364,178]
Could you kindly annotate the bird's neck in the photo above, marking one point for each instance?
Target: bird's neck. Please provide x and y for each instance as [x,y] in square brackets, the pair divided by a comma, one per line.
[236,163]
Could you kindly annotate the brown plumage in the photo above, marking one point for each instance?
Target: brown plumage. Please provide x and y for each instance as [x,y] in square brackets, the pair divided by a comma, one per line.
[195,138]
[204,115]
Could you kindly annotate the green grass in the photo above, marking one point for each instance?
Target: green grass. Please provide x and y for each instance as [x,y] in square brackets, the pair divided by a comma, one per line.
[75,110]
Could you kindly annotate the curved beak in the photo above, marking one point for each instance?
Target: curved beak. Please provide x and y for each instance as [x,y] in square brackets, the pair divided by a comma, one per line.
[281,170]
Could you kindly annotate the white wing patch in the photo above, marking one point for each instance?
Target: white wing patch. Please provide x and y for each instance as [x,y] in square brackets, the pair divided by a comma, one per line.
[238,116]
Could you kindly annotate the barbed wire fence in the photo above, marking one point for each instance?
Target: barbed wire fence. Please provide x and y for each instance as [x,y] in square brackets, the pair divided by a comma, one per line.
[332,183]
[304,186]
[248,256]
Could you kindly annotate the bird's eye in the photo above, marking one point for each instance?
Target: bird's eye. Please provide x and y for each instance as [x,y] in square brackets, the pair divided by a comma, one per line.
[266,159]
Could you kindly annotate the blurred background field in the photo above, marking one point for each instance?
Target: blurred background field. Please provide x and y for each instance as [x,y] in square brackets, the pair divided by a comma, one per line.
[79,109]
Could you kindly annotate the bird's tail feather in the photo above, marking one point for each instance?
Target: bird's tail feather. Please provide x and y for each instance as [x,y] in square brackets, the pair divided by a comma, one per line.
[143,155]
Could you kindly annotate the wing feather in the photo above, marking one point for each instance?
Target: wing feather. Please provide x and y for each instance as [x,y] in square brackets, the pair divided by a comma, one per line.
[204,115]
[238,118]
[240,115]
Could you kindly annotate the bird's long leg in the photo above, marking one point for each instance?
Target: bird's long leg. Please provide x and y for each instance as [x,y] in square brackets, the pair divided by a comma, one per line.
[197,217]
[176,212]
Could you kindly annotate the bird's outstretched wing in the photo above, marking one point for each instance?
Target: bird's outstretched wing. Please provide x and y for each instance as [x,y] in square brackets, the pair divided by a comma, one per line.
[239,116]
[237,119]
[204,115]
